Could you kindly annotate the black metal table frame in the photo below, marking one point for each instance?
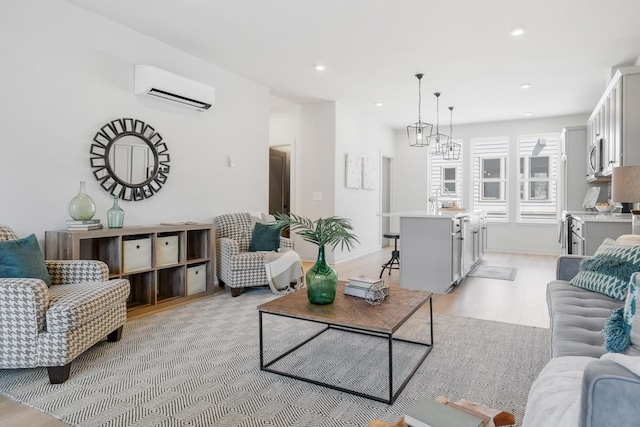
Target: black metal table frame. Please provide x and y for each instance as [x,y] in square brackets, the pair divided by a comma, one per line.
[392,396]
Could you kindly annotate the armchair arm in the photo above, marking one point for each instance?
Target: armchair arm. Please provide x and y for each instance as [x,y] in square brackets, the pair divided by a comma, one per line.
[23,304]
[286,243]
[227,247]
[77,271]
[568,266]
[609,395]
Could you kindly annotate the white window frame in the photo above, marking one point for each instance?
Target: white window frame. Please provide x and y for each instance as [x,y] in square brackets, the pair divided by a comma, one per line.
[551,152]
[498,210]
[454,181]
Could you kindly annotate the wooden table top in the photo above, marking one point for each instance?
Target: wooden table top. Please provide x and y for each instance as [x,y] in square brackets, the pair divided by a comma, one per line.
[350,311]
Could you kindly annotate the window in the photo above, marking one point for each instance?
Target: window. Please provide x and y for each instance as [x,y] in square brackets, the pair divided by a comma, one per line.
[537,172]
[490,172]
[449,179]
[446,177]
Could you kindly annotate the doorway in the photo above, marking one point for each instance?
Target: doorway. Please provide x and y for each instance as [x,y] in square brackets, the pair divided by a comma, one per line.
[279,179]
[385,196]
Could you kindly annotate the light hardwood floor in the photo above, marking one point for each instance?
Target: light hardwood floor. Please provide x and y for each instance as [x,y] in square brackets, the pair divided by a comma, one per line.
[521,301]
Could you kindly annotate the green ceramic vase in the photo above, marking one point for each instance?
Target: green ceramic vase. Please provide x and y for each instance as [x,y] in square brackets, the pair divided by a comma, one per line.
[322,281]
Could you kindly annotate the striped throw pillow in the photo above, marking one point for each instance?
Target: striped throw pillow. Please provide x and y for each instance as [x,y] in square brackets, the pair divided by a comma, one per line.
[609,270]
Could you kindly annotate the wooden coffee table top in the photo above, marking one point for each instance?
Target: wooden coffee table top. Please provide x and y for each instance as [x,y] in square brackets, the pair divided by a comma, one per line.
[352,311]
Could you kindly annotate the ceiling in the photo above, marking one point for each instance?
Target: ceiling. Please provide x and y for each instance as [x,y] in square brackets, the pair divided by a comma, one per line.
[373,48]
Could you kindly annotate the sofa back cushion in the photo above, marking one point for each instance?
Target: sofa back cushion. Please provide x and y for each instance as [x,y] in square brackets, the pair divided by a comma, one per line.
[632,317]
[609,270]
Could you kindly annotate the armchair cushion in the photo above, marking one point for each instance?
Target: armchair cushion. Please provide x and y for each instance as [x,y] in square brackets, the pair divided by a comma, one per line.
[264,238]
[22,258]
[71,306]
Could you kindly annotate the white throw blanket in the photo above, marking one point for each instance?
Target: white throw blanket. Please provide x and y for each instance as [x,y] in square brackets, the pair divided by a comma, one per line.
[554,398]
[632,363]
[284,271]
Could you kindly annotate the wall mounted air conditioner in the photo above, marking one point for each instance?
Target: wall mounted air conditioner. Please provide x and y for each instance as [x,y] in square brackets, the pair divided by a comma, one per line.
[153,81]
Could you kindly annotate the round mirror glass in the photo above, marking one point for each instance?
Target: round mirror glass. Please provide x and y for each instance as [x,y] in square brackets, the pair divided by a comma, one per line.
[132,159]
[129,159]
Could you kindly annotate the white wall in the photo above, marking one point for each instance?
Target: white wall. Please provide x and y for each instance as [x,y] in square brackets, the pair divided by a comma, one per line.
[412,186]
[322,134]
[360,136]
[66,72]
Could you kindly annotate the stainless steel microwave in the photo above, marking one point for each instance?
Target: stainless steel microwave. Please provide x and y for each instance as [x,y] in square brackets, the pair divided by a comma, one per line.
[595,159]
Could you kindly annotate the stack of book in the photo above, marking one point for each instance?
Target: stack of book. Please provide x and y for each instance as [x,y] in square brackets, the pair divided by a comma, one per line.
[84,224]
[358,286]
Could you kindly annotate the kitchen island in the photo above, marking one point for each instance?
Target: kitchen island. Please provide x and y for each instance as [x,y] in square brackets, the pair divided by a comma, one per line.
[438,250]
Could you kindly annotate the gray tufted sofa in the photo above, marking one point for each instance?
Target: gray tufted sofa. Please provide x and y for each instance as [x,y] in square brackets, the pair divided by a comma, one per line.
[51,326]
[577,388]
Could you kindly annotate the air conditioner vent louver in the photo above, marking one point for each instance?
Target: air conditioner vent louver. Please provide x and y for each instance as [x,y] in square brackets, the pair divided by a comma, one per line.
[158,83]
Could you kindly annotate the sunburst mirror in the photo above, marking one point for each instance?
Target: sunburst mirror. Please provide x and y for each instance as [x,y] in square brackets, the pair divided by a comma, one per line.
[129,159]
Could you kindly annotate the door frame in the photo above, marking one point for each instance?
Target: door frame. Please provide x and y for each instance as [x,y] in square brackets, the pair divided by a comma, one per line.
[292,174]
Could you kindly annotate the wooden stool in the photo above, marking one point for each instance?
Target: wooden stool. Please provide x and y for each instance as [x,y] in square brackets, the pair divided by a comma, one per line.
[395,255]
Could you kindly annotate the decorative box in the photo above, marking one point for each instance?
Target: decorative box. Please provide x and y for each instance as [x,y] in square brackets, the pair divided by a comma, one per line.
[166,250]
[196,279]
[136,255]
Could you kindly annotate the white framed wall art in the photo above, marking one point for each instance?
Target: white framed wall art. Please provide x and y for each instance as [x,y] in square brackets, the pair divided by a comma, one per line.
[353,171]
[369,174]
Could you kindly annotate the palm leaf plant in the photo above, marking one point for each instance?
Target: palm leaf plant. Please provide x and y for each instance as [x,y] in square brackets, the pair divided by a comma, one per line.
[321,279]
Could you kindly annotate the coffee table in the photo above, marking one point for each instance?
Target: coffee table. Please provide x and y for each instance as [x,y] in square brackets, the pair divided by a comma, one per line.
[354,315]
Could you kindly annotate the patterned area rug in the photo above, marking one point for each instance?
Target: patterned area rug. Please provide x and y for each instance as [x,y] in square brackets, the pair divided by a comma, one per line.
[493,272]
[198,365]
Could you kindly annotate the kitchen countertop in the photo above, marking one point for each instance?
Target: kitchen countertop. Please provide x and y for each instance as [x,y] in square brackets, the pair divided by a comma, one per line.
[595,216]
[428,214]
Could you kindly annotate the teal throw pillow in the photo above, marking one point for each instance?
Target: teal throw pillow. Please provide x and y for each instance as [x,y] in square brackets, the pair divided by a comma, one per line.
[264,238]
[23,258]
[609,270]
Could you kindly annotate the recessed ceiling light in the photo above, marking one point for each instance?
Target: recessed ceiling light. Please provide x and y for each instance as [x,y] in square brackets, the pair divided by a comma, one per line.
[516,32]
[378,104]
[528,113]
[525,85]
[320,67]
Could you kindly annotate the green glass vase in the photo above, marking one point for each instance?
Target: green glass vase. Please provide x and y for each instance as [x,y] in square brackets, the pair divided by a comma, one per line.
[322,281]
[115,215]
[82,207]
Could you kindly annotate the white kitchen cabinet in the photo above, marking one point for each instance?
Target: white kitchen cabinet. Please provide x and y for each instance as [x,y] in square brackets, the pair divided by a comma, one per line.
[613,129]
[588,231]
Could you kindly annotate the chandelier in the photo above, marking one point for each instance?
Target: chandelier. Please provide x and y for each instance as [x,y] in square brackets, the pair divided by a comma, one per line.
[452,149]
[438,139]
[419,132]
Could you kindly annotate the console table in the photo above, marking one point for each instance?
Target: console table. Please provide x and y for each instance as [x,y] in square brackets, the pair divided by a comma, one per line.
[166,265]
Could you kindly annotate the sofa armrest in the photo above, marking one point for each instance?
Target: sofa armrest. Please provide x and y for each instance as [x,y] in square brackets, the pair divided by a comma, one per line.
[568,266]
[609,395]
[68,272]
[286,243]
[24,304]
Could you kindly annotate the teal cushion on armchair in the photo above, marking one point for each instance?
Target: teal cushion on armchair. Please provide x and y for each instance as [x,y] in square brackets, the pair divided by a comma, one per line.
[264,238]
[22,259]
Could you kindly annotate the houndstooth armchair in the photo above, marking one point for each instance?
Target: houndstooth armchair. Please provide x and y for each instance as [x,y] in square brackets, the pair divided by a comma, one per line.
[238,268]
[51,326]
